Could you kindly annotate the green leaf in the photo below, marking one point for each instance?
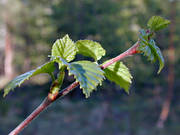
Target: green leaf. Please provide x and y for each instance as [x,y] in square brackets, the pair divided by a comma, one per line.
[157,54]
[149,49]
[64,48]
[144,46]
[119,73]
[90,48]
[143,36]
[156,23]
[87,73]
[45,68]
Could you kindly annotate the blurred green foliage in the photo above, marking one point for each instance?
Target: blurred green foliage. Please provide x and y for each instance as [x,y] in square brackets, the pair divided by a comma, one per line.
[115,24]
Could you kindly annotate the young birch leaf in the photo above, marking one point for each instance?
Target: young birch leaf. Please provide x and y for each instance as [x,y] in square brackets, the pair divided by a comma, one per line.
[87,73]
[156,23]
[90,48]
[150,50]
[144,46]
[64,48]
[119,74]
[157,54]
[45,68]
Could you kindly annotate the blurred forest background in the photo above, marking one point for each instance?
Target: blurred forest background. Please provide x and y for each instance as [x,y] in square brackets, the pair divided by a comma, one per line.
[28,29]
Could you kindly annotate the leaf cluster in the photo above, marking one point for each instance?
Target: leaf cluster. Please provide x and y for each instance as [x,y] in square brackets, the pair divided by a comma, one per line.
[148,45]
[88,73]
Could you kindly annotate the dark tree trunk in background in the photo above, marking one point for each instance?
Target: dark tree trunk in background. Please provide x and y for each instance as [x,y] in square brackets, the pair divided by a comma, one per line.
[171,58]
[27,60]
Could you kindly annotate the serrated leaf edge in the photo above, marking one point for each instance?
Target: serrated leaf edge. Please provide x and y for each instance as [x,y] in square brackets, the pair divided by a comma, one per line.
[87,93]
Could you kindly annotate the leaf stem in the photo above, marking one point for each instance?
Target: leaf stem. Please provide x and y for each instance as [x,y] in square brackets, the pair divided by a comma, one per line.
[47,101]
[61,75]
[52,76]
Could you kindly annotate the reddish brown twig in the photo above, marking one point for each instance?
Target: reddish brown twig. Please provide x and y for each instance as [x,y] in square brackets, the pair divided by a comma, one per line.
[51,98]
[47,101]
[129,52]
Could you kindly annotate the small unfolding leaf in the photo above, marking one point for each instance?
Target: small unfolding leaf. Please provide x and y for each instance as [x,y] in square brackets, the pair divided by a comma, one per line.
[87,73]
[157,53]
[119,74]
[144,45]
[64,48]
[143,36]
[149,49]
[90,48]
[45,68]
[156,23]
